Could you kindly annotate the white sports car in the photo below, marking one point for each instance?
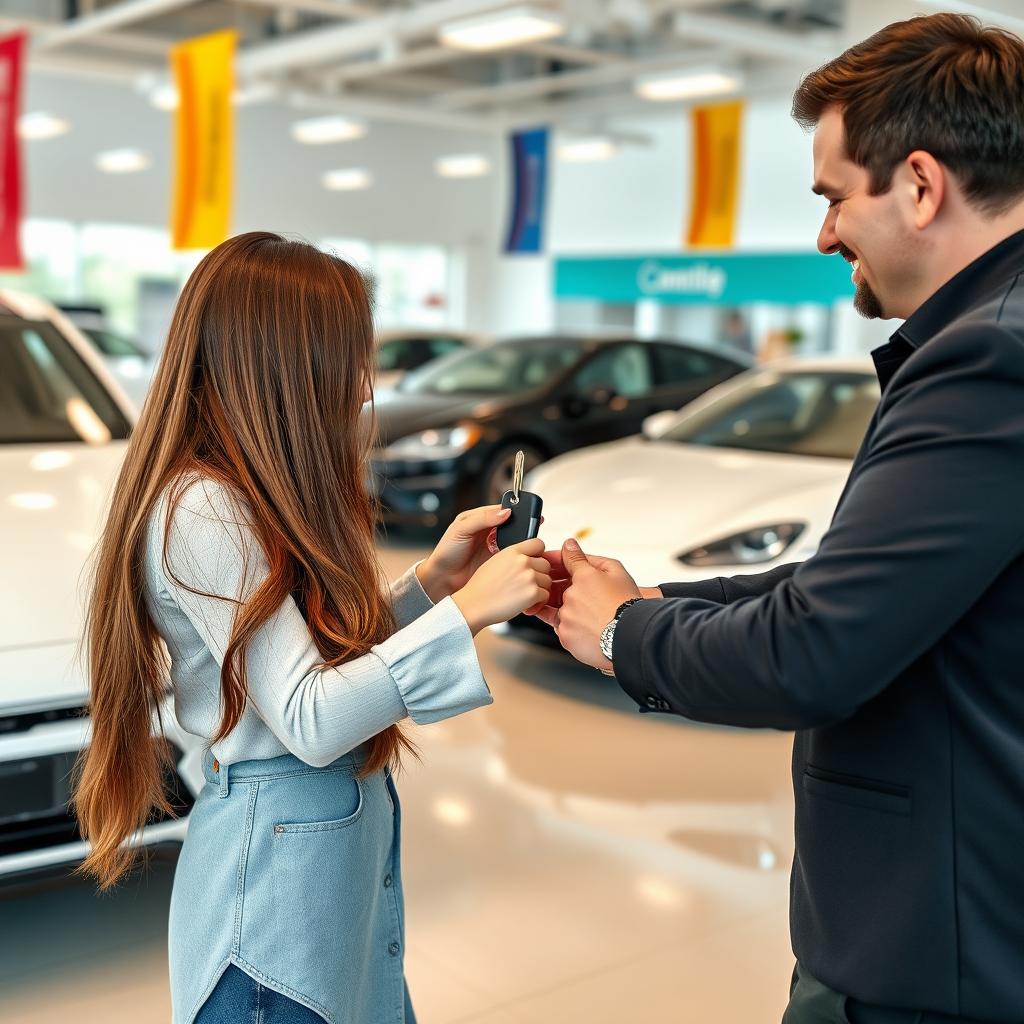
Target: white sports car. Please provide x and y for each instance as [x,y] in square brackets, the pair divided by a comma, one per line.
[64,422]
[745,478]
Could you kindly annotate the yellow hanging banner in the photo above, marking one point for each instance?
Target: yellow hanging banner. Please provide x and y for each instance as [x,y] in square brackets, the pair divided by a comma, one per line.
[204,140]
[716,174]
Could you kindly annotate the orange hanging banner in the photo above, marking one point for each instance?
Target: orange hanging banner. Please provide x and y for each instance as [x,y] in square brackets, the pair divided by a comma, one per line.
[716,174]
[204,140]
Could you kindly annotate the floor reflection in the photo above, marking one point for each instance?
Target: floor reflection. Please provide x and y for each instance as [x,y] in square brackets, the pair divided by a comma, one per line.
[555,845]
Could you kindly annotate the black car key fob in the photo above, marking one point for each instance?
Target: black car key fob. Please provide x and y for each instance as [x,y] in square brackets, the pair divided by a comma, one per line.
[524,523]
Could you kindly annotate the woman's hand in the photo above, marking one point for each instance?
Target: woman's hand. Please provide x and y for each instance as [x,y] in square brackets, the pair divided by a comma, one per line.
[465,546]
[510,582]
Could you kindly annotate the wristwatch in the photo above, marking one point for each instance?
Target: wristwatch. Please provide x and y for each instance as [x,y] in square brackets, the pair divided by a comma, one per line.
[608,633]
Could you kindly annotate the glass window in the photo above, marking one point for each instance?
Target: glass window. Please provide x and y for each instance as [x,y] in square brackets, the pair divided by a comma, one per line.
[824,414]
[678,365]
[112,344]
[622,369]
[508,367]
[47,394]
[443,346]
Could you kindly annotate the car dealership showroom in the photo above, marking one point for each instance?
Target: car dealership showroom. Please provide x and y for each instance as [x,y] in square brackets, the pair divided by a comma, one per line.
[573,250]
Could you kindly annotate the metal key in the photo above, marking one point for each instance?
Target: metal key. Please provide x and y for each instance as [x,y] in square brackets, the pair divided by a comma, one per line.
[524,523]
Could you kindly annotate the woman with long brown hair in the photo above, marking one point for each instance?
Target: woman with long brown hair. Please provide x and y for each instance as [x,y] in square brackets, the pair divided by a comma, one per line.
[238,567]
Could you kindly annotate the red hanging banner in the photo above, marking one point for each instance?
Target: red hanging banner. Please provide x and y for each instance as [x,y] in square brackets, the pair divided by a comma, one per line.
[11,53]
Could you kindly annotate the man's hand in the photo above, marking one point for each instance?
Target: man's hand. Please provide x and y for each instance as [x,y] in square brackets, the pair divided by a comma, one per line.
[596,589]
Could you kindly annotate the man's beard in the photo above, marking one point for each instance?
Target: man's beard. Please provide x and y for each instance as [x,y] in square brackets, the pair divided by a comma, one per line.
[867,303]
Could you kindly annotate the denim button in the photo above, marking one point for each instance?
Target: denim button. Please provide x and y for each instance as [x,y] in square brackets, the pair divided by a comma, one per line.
[394,949]
[387,881]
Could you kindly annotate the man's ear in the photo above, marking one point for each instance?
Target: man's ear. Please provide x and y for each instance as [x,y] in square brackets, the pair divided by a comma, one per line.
[926,180]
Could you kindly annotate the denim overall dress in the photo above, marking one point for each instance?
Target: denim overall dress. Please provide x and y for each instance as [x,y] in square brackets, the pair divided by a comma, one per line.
[292,873]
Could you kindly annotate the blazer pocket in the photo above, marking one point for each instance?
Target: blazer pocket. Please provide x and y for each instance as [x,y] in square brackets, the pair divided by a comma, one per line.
[302,827]
[857,792]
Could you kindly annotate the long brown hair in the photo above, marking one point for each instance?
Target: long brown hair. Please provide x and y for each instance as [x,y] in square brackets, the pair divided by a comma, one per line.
[260,387]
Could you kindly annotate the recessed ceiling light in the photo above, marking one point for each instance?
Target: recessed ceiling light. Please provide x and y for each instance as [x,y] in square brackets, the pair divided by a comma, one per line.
[685,85]
[315,131]
[39,125]
[348,180]
[580,151]
[165,97]
[511,27]
[122,161]
[465,165]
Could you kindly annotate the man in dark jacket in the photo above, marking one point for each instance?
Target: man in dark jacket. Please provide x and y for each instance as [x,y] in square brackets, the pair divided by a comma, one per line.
[897,651]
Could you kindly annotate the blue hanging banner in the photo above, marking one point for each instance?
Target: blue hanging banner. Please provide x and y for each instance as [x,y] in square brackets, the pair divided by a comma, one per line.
[788,278]
[529,178]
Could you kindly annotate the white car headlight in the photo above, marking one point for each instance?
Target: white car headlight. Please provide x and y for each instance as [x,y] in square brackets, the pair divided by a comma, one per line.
[763,544]
[434,444]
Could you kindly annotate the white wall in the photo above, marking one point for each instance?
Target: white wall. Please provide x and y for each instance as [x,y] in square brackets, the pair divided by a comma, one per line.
[639,202]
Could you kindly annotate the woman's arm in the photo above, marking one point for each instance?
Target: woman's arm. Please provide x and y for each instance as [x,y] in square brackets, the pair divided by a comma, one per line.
[428,670]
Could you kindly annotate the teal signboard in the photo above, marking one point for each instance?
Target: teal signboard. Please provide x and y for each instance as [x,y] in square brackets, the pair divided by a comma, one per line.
[707,279]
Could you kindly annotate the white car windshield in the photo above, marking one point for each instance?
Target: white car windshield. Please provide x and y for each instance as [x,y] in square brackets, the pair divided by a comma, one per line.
[47,393]
[507,367]
[798,413]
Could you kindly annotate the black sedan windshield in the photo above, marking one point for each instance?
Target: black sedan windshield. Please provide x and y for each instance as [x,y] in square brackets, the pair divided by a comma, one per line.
[508,367]
[799,413]
[47,393]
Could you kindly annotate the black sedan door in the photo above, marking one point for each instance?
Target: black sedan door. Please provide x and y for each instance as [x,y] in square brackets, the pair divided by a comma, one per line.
[682,374]
[609,396]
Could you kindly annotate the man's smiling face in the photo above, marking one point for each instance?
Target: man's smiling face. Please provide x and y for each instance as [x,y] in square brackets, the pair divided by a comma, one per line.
[868,231]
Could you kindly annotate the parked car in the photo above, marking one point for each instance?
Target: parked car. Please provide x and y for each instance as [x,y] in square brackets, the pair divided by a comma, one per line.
[448,434]
[129,362]
[64,424]
[398,352]
[744,479]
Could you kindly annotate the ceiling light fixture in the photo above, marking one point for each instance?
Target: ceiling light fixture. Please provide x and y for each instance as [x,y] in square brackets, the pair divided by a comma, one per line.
[315,131]
[512,27]
[122,161]
[164,97]
[690,84]
[463,165]
[580,151]
[39,125]
[347,180]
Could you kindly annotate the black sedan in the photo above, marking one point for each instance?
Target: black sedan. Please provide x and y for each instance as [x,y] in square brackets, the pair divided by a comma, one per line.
[448,435]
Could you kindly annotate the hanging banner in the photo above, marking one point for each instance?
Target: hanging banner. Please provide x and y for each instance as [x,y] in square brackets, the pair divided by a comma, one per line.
[529,182]
[12,50]
[204,140]
[716,175]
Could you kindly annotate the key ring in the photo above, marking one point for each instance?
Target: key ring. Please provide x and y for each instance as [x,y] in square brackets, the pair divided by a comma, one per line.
[517,477]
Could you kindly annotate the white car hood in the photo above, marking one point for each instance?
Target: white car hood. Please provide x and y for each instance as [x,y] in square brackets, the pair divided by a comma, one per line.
[53,499]
[668,496]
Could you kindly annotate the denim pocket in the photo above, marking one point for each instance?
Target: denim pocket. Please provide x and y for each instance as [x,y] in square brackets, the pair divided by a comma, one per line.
[301,827]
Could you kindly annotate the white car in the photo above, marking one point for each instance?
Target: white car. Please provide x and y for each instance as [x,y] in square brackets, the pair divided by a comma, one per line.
[745,478]
[64,422]
[129,362]
[398,352]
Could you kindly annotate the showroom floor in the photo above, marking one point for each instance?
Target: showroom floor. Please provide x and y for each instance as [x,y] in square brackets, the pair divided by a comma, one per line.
[566,859]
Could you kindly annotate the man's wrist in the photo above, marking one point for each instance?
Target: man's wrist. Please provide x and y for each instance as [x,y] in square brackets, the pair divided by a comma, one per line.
[651,593]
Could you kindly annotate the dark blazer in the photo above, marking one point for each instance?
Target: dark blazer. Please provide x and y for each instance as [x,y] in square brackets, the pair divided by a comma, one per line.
[897,652]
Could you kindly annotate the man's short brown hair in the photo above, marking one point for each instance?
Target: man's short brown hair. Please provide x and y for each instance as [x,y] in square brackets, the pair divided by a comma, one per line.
[942,83]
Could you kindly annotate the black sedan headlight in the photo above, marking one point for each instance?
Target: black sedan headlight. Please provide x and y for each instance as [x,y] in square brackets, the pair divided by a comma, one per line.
[432,445]
[763,544]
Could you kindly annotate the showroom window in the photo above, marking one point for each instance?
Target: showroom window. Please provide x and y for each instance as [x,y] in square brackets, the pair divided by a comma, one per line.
[413,285]
[132,272]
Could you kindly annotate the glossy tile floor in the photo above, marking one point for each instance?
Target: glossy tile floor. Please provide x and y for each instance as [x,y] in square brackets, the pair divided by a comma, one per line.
[566,859]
